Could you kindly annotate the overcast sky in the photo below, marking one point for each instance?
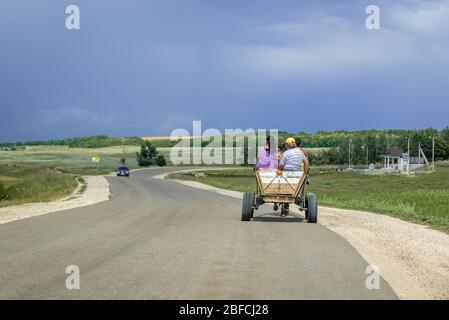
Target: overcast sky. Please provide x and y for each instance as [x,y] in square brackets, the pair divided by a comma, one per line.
[140,68]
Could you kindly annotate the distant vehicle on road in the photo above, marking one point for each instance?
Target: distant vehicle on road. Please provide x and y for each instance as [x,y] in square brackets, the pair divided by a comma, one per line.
[123,172]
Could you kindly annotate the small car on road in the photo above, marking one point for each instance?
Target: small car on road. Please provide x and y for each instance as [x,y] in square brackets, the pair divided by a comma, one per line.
[123,172]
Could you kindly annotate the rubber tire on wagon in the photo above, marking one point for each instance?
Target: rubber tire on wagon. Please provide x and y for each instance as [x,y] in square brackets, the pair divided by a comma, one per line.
[248,205]
[312,208]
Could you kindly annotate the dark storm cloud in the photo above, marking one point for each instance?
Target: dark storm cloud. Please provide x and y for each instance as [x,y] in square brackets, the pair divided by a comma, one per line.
[148,67]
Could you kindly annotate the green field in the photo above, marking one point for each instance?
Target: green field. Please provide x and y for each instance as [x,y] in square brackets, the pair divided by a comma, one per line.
[421,198]
[25,184]
[45,173]
[70,160]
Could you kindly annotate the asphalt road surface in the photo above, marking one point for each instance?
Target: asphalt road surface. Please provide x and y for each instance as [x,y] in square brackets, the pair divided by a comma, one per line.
[158,239]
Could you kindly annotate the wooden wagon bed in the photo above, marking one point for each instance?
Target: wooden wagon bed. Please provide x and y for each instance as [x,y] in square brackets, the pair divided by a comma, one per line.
[279,188]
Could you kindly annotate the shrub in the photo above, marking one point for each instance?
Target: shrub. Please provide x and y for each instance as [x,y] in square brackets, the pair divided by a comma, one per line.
[160,160]
[3,192]
[149,156]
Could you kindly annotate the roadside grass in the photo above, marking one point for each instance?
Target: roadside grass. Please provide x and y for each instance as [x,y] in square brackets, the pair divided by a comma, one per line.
[26,184]
[420,198]
[83,183]
[46,173]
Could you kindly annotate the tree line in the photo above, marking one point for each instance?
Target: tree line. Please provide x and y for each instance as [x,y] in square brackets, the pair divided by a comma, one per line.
[368,146]
[99,141]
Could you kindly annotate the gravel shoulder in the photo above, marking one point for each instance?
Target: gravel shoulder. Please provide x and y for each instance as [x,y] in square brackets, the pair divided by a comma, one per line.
[95,190]
[412,258]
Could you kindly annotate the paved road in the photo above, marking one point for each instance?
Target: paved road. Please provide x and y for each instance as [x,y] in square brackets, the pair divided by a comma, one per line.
[158,239]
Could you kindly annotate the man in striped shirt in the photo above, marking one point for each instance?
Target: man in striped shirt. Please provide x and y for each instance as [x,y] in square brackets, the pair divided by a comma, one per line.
[293,158]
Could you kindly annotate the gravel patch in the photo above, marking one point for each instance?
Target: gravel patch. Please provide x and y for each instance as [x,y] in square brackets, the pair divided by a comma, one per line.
[413,258]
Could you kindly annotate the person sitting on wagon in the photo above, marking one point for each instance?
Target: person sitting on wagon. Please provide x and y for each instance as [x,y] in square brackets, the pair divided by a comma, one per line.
[299,146]
[281,149]
[293,158]
[298,142]
[266,157]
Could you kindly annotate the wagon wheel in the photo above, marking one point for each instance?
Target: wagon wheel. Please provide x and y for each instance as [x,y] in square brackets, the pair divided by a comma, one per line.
[248,206]
[312,208]
[306,206]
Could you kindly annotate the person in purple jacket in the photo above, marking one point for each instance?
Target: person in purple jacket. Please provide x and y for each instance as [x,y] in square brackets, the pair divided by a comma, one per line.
[267,156]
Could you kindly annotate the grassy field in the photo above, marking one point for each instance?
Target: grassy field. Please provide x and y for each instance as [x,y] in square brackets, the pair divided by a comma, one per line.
[45,173]
[421,198]
[25,184]
[70,160]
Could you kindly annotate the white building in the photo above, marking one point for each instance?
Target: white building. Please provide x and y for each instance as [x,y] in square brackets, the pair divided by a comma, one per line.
[396,160]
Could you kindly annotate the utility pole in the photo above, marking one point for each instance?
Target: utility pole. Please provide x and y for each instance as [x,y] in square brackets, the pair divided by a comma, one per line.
[124,151]
[408,153]
[433,154]
[367,154]
[350,147]
[408,146]
[419,153]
